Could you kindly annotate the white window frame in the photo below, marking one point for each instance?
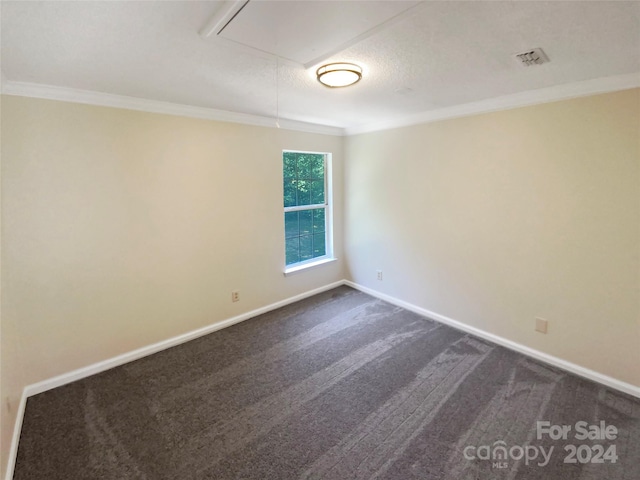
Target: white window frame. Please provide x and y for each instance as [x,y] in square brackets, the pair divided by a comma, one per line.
[328,217]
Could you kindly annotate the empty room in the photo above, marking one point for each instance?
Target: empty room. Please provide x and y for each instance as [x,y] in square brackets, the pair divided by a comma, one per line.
[261,239]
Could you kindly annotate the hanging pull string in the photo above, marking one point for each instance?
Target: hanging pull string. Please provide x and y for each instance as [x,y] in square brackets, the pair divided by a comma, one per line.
[278,92]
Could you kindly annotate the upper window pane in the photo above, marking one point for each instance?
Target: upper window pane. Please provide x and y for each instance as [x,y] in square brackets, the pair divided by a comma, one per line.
[290,192]
[304,165]
[289,165]
[304,179]
[317,167]
[316,187]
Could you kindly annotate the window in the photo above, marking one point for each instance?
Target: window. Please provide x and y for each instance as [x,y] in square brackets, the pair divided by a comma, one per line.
[307,211]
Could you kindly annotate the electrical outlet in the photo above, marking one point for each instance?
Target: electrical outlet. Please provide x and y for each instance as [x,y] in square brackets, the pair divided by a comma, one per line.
[235,296]
[379,274]
[541,325]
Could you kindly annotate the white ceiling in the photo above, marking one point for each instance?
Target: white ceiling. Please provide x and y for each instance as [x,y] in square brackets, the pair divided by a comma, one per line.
[417,56]
[307,32]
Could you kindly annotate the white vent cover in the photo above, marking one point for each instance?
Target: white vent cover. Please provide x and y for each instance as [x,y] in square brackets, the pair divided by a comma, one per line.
[534,56]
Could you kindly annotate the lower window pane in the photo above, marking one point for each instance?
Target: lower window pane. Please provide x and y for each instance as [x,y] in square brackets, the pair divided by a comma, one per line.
[318,220]
[305,235]
[306,247]
[293,250]
[319,248]
[291,228]
[306,221]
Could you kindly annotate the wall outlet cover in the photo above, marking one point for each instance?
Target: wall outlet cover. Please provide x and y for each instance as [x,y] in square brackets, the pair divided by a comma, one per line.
[541,325]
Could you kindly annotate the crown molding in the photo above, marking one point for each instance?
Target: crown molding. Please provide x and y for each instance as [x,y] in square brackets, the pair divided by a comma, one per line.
[507,102]
[50,92]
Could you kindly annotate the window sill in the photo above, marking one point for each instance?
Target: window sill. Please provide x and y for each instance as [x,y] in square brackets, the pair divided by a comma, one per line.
[305,266]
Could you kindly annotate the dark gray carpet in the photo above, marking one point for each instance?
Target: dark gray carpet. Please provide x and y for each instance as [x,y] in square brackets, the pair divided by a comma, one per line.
[338,386]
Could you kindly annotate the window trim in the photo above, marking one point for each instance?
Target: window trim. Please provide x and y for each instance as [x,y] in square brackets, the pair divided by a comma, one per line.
[328,220]
[314,262]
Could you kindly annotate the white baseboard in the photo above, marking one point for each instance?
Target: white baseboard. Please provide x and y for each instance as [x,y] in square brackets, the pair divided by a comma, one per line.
[511,345]
[99,367]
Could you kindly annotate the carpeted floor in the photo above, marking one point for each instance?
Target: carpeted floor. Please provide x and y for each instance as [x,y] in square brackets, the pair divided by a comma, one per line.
[338,386]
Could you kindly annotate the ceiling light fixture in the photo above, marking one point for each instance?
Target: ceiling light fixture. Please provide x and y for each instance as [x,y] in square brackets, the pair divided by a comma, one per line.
[336,75]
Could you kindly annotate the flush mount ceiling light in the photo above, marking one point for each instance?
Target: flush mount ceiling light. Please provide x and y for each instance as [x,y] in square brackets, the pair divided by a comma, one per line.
[335,75]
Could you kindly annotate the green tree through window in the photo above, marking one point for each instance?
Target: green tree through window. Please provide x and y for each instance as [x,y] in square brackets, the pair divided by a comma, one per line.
[305,206]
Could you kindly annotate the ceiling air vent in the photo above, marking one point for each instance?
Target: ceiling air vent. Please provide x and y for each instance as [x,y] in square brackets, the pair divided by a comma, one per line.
[534,56]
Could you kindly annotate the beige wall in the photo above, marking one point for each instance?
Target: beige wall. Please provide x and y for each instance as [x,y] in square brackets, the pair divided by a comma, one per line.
[10,370]
[124,228]
[496,219]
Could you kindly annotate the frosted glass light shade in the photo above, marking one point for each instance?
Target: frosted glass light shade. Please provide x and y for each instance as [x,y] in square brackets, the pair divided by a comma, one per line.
[335,75]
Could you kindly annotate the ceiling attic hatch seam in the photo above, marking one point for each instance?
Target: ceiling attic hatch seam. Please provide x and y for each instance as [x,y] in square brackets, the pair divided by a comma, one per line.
[284,29]
[234,16]
[223,17]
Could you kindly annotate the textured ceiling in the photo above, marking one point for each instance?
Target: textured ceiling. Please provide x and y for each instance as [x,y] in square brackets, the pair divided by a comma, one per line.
[440,54]
[308,32]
